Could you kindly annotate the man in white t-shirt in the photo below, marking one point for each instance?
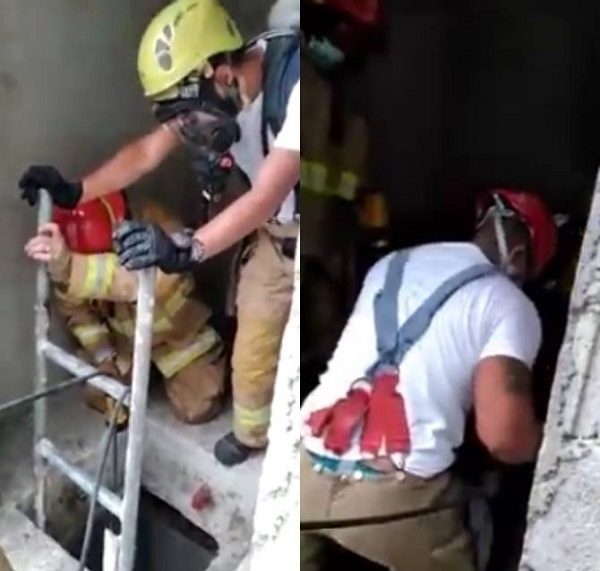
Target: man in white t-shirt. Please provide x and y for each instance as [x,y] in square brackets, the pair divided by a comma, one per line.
[226,100]
[476,354]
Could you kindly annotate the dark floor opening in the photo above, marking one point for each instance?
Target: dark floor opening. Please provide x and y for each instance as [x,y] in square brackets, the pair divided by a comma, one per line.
[165,539]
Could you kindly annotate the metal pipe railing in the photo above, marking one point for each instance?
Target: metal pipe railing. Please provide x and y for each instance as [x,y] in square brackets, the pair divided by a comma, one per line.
[80,368]
[45,453]
[111,501]
[40,382]
[137,423]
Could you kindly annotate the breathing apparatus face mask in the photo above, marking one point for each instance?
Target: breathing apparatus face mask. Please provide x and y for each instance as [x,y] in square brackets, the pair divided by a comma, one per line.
[207,118]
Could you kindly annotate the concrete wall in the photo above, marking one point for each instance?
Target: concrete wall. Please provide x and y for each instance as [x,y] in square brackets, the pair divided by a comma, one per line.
[563,519]
[69,96]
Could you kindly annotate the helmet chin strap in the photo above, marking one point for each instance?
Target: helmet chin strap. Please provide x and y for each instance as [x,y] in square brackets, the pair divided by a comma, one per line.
[499,213]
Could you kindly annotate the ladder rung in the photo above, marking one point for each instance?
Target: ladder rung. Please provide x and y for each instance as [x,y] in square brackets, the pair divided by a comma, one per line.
[78,367]
[111,501]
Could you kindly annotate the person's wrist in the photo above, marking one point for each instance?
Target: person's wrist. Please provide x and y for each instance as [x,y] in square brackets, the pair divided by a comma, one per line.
[60,268]
[77,188]
[197,250]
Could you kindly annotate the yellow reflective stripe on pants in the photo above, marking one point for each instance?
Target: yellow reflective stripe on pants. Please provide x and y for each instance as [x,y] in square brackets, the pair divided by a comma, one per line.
[99,274]
[314,178]
[248,419]
[171,362]
[347,187]
[171,307]
[177,299]
[90,334]
[126,327]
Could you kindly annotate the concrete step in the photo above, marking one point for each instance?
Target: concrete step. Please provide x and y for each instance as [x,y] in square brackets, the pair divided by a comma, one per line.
[179,461]
[27,548]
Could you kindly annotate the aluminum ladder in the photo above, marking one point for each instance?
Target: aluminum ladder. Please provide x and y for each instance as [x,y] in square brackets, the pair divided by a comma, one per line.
[47,455]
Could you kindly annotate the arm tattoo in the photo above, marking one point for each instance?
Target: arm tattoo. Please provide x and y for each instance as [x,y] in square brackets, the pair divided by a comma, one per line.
[518,377]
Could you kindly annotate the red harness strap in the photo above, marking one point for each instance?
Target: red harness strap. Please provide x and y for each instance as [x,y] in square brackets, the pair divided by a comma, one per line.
[386,428]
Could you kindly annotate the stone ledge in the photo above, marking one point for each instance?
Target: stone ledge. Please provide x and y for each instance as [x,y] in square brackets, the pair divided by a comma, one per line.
[27,548]
[179,460]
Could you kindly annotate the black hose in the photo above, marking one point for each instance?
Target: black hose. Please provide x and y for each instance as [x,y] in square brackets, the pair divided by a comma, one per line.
[89,526]
[380,519]
[59,387]
[113,523]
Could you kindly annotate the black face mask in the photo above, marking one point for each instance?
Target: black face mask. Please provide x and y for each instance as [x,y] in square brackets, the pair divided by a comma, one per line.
[207,132]
[207,120]
[200,95]
[207,123]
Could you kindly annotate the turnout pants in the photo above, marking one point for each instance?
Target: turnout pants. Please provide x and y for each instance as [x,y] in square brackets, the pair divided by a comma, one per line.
[263,301]
[195,392]
[433,542]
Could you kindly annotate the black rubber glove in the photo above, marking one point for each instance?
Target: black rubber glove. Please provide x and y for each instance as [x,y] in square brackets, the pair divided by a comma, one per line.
[64,193]
[140,245]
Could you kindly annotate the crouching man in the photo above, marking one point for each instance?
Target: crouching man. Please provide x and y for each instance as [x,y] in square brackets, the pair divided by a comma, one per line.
[438,330]
[96,297]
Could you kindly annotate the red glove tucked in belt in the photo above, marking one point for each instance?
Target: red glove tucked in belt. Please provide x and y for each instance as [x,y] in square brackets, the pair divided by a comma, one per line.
[338,422]
[386,428]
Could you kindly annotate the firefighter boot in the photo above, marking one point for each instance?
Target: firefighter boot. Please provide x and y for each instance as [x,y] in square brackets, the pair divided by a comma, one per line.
[229,451]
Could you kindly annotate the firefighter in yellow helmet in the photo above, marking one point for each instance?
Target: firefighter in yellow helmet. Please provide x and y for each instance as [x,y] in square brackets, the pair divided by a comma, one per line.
[96,298]
[231,103]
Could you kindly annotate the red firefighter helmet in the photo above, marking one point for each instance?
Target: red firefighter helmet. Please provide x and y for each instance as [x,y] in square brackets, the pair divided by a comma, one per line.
[88,228]
[531,210]
[367,12]
[352,26]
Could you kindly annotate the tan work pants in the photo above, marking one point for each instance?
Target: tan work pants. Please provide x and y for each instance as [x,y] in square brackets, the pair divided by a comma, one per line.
[195,392]
[4,564]
[264,297]
[434,542]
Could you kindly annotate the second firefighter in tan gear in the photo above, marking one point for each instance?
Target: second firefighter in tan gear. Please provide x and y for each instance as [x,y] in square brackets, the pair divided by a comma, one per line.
[96,297]
[263,300]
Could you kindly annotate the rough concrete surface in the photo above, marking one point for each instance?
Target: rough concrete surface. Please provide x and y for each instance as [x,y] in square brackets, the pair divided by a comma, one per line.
[75,431]
[70,97]
[179,460]
[27,548]
[277,518]
[563,514]
[70,426]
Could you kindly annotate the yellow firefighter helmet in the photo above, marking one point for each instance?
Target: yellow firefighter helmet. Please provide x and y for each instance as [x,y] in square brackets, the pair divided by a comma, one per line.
[179,40]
